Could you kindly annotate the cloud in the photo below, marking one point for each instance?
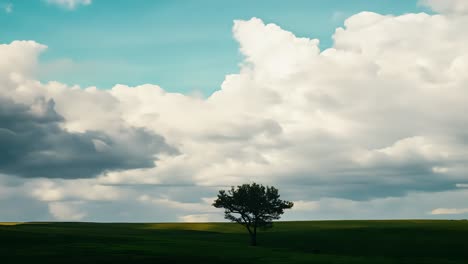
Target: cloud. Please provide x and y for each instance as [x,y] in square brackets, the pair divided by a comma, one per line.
[449,211]
[66,211]
[204,206]
[65,190]
[366,124]
[447,6]
[8,8]
[414,205]
[34,145]
[306,205]
[19,58]
[69,4]
[256,127]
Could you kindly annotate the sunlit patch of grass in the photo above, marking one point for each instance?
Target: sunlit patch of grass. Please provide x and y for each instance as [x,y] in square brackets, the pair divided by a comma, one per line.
[182,226]
[207,227]
[10,223]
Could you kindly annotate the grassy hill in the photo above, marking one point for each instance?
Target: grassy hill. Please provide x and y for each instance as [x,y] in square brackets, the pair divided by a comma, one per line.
[405,241]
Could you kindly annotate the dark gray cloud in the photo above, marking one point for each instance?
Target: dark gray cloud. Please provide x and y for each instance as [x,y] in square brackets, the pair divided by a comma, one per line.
[33,144]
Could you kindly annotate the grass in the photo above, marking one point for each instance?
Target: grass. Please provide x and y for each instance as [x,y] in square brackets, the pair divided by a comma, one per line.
[9,223]
[403,241]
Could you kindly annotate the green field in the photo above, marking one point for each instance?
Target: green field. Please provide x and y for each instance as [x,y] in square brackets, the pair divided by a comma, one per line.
[411,241]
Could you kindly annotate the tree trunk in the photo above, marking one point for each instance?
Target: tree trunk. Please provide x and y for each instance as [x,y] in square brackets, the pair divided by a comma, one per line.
[254,235]
[253,239]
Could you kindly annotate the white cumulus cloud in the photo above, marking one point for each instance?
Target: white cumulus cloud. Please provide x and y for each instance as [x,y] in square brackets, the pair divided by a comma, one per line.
[447,6]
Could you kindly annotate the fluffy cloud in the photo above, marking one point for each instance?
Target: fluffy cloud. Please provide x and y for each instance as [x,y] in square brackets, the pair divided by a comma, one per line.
[69,4]
[34,145]
[18,57]
[66,211]
[447,6]
[369,122]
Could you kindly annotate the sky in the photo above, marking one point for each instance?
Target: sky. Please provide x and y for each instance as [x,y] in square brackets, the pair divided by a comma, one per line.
[140,111]
[184,46]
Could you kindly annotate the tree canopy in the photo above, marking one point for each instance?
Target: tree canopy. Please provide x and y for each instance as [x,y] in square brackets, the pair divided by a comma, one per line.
[253,206]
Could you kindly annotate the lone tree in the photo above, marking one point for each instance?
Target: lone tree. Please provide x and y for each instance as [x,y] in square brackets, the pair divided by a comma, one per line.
[253,206]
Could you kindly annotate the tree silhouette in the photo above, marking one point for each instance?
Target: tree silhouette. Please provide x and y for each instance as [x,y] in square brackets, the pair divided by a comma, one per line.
[253,206]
